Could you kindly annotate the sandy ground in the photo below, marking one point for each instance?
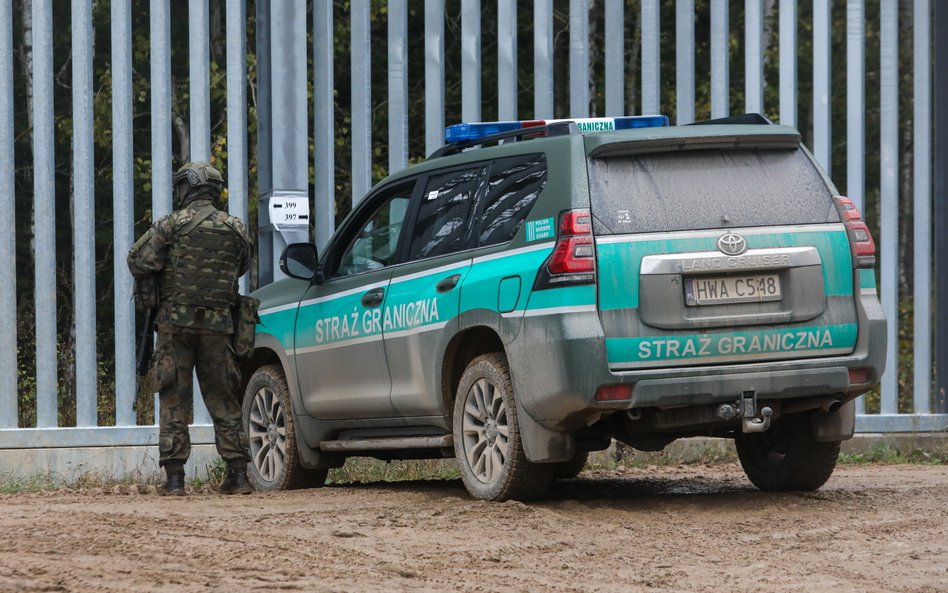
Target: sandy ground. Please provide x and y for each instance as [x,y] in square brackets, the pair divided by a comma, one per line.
[871,528]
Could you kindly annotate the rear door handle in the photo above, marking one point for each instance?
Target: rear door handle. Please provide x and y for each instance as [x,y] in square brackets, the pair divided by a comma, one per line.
[373,298]
[448,283]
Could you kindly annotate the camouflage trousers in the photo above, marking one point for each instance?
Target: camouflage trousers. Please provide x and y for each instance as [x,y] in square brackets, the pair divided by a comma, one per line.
[176,357]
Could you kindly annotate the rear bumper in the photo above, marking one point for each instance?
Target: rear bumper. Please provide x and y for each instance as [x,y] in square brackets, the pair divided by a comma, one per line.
[559,361]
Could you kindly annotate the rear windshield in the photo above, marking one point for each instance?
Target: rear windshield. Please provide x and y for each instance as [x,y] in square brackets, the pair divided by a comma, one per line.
[707,189]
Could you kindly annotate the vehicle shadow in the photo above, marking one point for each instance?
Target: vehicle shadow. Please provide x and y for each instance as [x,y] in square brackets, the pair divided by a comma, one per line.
[638,491]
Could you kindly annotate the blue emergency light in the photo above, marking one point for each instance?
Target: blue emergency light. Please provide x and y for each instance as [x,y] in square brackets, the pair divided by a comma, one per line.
[476,131]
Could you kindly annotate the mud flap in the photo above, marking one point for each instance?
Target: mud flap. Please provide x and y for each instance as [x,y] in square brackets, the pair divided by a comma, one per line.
[542,445]
[835,426]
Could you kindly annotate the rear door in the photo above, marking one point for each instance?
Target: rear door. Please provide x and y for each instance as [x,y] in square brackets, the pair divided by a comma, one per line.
[719,256]
[422,305]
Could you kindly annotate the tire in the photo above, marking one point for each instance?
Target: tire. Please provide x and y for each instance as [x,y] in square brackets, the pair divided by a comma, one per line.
[787,457]
[487,439]
[568,470]
[268,419]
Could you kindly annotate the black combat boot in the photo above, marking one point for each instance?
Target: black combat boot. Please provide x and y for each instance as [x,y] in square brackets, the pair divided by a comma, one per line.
[174,483]
[236,480]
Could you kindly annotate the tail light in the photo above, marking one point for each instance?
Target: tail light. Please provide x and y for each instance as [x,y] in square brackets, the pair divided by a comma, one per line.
[574,256]
[612,393]
[860,239]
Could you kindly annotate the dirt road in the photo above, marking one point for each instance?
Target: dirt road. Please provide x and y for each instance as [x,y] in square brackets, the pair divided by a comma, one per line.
[871,528]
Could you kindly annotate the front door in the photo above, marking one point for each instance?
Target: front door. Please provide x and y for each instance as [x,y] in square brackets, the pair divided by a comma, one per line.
[343,372]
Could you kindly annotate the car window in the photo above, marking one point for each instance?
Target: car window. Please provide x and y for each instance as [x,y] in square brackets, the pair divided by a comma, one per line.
[515,185]
[376,243]
[707,189]
[444,213]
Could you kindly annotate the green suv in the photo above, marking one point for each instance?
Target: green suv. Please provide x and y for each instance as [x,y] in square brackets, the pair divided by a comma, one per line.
[536,289]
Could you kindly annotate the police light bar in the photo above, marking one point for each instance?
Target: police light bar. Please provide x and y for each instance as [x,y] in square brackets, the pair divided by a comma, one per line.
[473,132]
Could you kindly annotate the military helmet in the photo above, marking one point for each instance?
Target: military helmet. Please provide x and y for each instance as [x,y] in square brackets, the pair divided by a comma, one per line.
[198,180]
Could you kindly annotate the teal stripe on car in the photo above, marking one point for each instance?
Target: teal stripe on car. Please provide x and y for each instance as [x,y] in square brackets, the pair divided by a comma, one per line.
[619,262]
[279,324]
[725,346]
[867,279]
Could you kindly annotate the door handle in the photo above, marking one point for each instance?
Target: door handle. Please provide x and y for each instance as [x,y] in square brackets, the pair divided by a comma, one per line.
[373,298]
[448,283]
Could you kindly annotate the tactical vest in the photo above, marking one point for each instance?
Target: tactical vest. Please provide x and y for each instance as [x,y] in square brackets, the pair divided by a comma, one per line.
[201,269]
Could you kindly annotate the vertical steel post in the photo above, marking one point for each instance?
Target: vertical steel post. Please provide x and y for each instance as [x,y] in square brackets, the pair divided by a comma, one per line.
[199,79]
[237,183]
[855,114]
[753,56]
[923,208]
[268,239]
[199,91]
[324,123]
[578,58]
[160,83]
[685,61]
[615,58]
[123,202]
[889,194]
[855,102]
[471,60]
[161,151]
[788,63]
[822,120]
[83,211]
[434,75]
[940,201]
[289,117]
[651,58]
[362,98]
[44,214]
[506,59]
[397,85]
[542,59]
[8,349]
[720,57]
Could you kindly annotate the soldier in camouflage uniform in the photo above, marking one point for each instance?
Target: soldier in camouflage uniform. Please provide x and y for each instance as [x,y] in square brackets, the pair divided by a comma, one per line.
[196,254]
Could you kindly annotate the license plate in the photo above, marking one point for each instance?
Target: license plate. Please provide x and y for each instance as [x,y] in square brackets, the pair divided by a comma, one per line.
[722,290]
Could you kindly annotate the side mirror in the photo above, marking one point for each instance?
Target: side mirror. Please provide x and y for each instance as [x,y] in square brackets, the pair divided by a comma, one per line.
[300,260]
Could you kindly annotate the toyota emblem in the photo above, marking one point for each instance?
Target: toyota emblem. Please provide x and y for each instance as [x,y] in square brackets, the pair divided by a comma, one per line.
[732,244]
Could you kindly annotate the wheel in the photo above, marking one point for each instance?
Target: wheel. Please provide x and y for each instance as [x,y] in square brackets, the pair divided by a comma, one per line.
[268,419]
[572,468]
[487,436]
[787,457]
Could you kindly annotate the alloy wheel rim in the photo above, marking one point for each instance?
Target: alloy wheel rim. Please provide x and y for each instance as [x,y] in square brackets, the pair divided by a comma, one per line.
[267,434]
[485,431]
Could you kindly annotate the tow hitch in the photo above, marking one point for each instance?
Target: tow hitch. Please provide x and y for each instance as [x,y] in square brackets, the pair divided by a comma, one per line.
[746,409]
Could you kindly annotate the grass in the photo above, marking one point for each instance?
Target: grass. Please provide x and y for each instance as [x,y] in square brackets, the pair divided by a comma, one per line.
[885,453]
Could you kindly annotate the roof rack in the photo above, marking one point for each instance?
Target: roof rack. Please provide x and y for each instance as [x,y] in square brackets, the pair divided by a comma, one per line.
[562,128]
[755,119]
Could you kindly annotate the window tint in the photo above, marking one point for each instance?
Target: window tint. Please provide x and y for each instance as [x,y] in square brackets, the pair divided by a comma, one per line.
[707,189]
[515,184]
[374,246]
[444,213]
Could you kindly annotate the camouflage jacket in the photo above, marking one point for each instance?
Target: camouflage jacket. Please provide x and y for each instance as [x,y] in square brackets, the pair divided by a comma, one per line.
[149,256]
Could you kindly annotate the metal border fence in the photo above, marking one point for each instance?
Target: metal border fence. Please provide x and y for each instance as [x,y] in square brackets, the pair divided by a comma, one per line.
[283,156]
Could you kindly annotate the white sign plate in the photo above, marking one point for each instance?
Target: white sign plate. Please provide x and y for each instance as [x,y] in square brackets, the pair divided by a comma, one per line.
[289,212]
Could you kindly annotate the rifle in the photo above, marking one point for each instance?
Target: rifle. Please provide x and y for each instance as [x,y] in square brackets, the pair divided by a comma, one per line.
[146,301]
[146,345]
